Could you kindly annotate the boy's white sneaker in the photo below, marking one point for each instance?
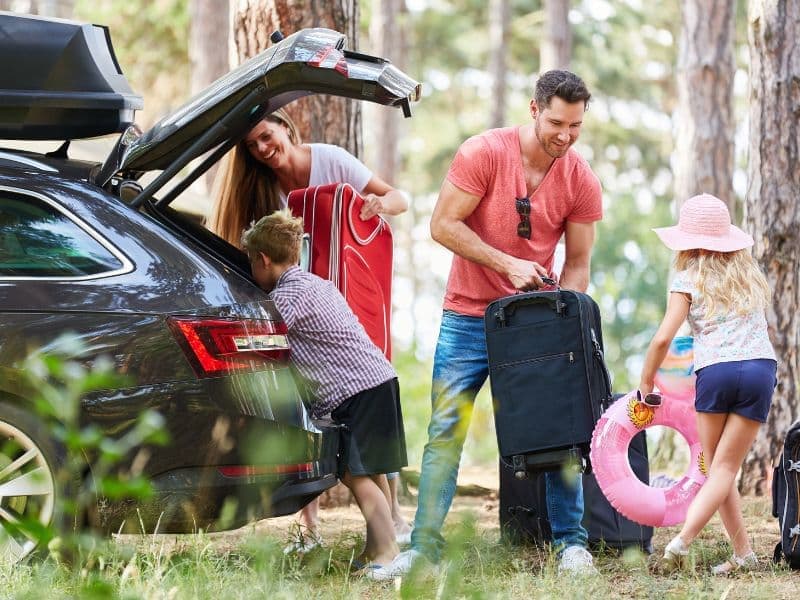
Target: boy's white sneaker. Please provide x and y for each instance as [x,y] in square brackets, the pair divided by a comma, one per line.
[303,543]
[576,560]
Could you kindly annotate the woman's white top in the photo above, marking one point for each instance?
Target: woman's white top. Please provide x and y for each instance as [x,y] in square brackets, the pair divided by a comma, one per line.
[332,164]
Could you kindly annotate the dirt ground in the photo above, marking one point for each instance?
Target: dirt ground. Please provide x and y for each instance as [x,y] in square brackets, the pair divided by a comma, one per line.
[338,524]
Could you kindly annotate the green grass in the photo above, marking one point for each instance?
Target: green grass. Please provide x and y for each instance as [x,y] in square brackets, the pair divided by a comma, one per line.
[251,564]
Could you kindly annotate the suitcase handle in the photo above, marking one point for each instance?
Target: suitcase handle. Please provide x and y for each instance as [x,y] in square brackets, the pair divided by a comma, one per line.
[376,223]
[508,306]
[600,358]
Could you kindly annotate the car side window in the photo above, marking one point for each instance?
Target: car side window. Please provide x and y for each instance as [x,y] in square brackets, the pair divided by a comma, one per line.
[37,240]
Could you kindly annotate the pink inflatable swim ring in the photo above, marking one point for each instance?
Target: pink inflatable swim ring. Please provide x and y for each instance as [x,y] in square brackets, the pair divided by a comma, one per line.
[659,507]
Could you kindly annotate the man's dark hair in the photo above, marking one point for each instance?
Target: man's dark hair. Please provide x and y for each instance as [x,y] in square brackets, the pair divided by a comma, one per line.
[564,84]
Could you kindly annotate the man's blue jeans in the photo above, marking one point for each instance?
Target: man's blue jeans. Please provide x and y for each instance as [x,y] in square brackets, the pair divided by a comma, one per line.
[460,367]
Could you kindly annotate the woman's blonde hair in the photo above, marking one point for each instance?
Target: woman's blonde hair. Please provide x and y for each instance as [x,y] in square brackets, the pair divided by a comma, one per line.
[245,190]
[726,280]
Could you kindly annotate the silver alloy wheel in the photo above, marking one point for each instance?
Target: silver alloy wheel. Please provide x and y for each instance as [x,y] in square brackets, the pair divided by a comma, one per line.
[27,493]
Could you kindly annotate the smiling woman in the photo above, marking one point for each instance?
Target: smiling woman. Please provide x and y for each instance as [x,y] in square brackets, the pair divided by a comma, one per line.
[271,161]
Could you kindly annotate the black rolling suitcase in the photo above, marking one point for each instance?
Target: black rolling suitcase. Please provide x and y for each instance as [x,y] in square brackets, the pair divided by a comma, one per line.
[786,499]
[548,377]
[523,508]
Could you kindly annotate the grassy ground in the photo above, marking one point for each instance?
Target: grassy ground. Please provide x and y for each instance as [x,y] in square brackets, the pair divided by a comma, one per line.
[249,563]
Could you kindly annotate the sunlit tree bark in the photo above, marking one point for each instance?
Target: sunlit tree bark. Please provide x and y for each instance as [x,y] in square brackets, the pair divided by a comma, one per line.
[499,31]
[556,47]
[704,144]
[387,39]
[772,209]
[209,59]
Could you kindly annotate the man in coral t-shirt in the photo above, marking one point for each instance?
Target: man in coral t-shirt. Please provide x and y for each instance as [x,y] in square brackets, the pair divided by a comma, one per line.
[509,196]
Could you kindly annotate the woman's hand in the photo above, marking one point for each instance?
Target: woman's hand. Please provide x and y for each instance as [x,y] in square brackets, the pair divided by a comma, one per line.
[373,205]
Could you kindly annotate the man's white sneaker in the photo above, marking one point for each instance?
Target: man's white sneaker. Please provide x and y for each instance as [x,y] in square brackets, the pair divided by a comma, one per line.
[403,539]
[577,561]
[399,567]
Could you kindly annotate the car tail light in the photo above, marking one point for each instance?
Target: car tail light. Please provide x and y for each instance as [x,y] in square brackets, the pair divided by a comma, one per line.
[216,346]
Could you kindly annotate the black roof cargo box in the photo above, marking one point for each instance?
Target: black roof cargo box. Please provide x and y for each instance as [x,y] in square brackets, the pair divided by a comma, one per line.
[60,80]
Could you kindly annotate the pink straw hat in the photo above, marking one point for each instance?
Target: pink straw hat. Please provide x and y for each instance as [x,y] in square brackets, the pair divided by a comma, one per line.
[704,223]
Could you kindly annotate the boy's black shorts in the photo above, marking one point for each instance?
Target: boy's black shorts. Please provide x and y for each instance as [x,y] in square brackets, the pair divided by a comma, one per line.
[373,439]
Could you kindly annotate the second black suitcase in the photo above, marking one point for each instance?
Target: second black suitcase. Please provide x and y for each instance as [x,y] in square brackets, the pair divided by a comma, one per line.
[548,377]
[523,508]
[786,498]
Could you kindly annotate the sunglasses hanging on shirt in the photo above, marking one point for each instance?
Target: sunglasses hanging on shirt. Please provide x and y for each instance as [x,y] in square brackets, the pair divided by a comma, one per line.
[523,206]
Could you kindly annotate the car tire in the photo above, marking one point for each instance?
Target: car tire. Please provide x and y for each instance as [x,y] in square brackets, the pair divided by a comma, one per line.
[31,503]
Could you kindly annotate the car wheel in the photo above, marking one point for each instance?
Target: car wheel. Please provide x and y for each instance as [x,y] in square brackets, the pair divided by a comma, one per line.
[28,485]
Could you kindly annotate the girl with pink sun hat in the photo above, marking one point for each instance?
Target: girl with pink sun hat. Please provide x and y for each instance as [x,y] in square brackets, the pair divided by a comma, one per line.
[719,288]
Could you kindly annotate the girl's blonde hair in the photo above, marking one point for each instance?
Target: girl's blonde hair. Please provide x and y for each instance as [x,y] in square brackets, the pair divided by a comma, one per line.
[726,280]
[245,190]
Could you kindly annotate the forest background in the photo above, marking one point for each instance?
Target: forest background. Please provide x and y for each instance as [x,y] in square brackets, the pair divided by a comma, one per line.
[647,134]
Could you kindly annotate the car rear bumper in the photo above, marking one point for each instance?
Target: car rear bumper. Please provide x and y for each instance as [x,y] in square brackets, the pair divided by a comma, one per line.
[217,498]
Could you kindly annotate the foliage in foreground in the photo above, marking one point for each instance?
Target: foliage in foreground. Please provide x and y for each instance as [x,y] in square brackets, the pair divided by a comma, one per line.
[250,564]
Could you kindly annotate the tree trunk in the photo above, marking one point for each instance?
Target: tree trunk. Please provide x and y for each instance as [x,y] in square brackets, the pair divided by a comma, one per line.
[704,144]
[387,39]
[319,118]
[772,210]
[499,30]
[209,34]
[209,59]
[555,51]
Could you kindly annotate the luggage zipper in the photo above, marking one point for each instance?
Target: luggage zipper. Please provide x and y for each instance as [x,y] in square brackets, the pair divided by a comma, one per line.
[570,356]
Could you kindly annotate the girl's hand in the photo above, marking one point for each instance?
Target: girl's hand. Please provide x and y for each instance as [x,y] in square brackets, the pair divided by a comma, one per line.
[645,388]
[373,205]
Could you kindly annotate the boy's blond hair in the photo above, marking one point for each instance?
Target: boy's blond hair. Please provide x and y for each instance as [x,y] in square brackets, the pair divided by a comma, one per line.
[729,281]
[278,235]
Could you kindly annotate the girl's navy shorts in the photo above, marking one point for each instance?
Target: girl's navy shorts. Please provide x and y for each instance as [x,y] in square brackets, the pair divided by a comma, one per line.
[743,387]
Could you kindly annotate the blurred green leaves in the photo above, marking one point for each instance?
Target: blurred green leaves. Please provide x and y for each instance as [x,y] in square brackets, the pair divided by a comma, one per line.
[88,463]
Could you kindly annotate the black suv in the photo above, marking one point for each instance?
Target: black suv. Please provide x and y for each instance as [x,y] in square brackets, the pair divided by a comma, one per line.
[87,249]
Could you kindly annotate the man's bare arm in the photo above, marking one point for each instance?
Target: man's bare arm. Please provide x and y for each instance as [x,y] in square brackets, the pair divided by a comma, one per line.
[448,228]
[579,239]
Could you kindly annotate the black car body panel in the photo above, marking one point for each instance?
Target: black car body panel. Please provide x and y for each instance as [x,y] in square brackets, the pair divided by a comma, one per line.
[212,422]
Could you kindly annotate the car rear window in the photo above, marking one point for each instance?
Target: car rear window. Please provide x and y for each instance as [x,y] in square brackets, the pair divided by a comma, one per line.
[38,240]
